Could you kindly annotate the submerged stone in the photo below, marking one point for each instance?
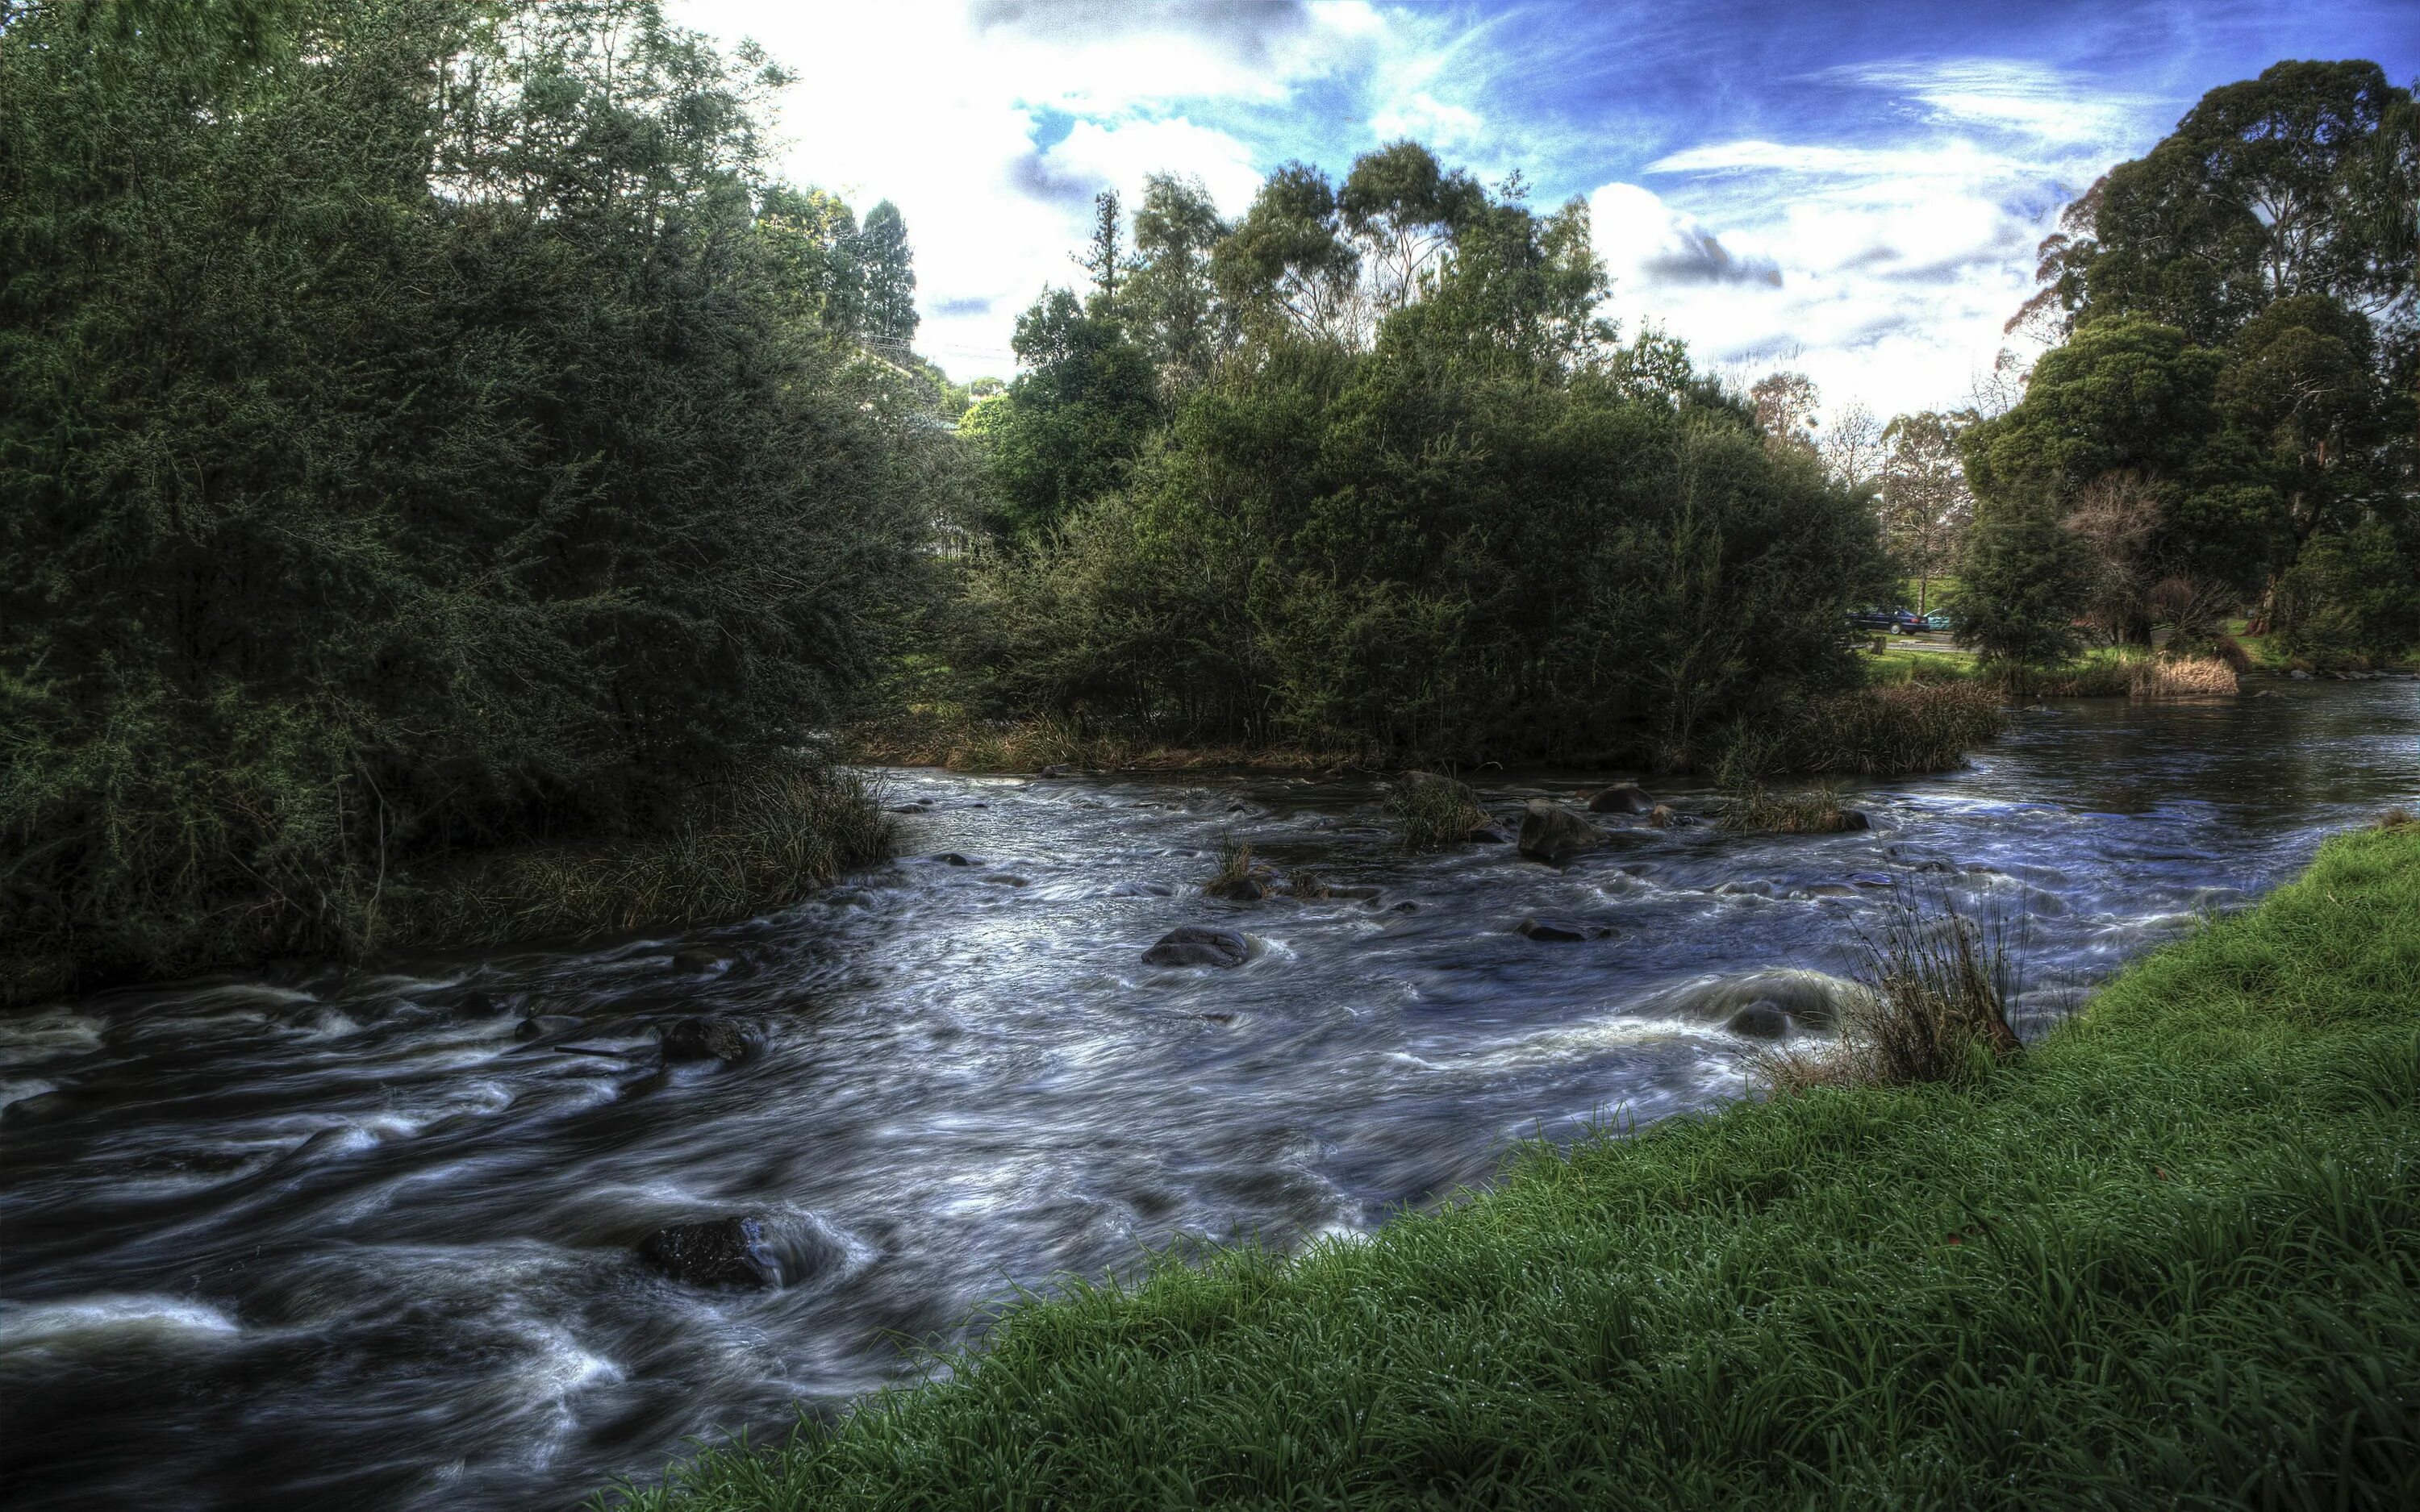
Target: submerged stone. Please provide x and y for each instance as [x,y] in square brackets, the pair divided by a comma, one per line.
[1540,929]
[715,1038]
[1759,1021]
[718,1252]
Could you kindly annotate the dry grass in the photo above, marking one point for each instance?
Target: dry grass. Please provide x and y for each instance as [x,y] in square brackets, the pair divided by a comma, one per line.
[2181,677]
[763,845]
[2397,817]
[1815,811]
[1936,1012]
[1433,811]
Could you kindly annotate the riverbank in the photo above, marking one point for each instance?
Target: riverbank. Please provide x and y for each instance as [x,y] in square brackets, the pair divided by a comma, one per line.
[751,847]
[1893,728]
[2167,1257]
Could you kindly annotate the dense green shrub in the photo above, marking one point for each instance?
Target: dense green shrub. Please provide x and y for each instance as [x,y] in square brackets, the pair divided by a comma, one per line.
[413,437]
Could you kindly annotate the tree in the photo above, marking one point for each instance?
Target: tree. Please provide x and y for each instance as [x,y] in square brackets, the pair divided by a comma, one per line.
[2024,579]
[1172,300]
[1852,447]
[1787,410]
[1074,421]
[439,444]
[2301,181]
[1926,507]
[890,280]
[1105,257]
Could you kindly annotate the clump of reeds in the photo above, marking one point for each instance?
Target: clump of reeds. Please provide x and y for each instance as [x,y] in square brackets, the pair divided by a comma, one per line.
[2181,677]
[1239,877]
[1935,1011]
[1813,811]
[1887,732]
[2397,817]
[755,846]
[1433,811]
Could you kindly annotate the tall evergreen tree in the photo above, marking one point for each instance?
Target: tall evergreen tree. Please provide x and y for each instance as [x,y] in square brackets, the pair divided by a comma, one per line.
[890,280]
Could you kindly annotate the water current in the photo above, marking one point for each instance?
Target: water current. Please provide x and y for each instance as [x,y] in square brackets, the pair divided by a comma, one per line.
[316,1239]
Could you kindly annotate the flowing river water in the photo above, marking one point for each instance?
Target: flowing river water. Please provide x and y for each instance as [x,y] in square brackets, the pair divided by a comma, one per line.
[325,1240]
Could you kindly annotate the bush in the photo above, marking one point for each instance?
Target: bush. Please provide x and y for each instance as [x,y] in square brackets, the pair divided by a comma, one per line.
[1935,1012]
[2352,599]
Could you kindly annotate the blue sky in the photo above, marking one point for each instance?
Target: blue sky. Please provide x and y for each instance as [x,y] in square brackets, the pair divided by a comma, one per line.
[1852,189]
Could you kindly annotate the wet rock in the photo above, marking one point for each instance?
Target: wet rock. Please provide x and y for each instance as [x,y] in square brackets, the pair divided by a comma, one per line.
[1762,1020]
[952,858]
[1221,1017]
[699,961]
[712,1038]
[1243,889]
[1005,879]
[1622,797]
[546,1027]
[42,1107]
[1490,833]
[482,1004]
[2300,676]
[1057,769]
[1810,998]
[1350,891]
[1552,833]
[1198,945]
[718,1252]
[1541,929]
[1406,907]
[1854,819]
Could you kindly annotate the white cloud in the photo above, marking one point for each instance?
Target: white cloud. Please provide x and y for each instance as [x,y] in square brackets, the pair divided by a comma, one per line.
[939,106]
[1896,260]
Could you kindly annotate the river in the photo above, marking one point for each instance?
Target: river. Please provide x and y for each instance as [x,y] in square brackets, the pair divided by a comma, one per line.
[320,1241]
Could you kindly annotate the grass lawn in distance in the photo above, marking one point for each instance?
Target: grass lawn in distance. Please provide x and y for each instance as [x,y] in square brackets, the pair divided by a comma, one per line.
[2170,1257]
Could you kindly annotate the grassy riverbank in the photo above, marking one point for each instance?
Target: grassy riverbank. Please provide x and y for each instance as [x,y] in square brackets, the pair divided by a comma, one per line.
[2169,1258]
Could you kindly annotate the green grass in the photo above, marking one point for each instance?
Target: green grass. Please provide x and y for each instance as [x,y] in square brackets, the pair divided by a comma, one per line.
[2169,1258]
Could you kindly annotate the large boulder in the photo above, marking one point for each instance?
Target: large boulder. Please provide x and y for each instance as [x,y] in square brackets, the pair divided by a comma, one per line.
[1198,945]
[1552,833]
[718,1252]
[1622,797]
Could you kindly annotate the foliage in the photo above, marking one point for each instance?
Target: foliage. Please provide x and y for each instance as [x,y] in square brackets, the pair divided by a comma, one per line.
[1469,526]
[2241,315]
[2170,1256]
[1934,1012]
[438,443]
[1926,509]
[1073,424]
[2024,580]
[2352,598]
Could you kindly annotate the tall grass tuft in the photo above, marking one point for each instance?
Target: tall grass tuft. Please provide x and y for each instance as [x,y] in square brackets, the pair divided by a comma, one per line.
[759,846]
[1432,812]
[2182,677]
[1935,1012]
[1887,732]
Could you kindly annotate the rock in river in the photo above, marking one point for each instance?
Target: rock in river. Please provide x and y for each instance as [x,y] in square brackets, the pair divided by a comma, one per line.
[1550,832]
[1198,945]
[718,1252]
[1542,929]
[1622,797]
[711,1037]
[1762,1020]
[546,1027]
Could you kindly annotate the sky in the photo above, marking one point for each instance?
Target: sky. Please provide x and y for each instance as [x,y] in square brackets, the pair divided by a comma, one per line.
[1853,191]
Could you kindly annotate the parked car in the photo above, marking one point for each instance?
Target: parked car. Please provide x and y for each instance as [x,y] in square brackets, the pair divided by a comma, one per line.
[1873,619]
[1938,620]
